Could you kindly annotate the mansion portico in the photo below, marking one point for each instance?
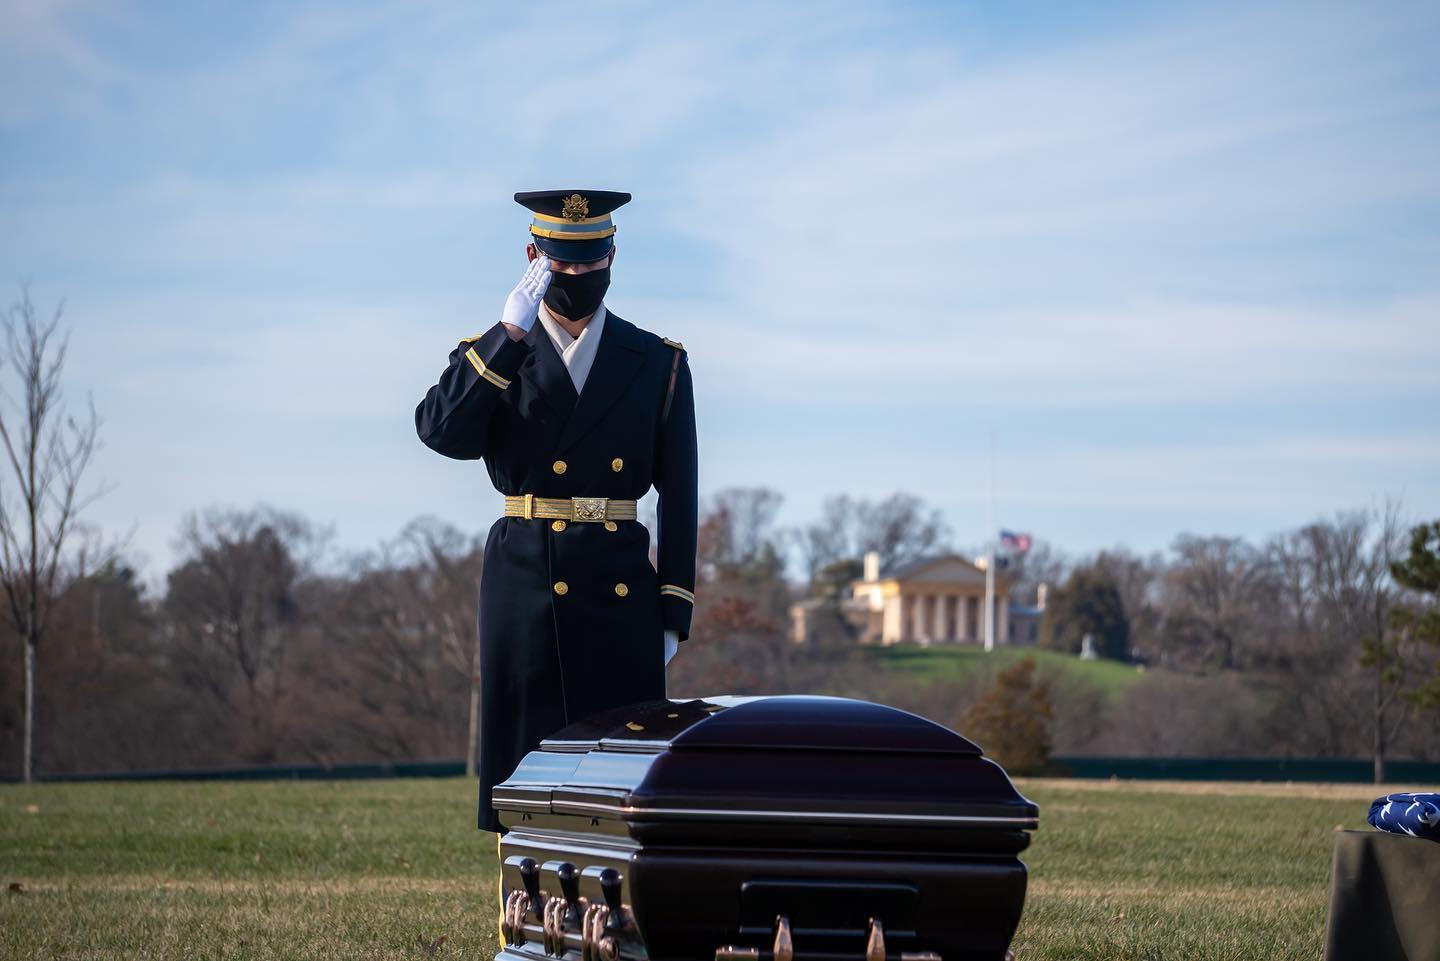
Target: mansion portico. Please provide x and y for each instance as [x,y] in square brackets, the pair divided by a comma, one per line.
[931,600]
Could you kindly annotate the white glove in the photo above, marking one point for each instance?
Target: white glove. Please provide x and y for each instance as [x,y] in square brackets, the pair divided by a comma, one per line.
[672,644]
[524,300]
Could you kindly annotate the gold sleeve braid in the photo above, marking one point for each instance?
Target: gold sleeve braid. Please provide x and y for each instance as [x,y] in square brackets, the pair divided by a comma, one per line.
[486,372]
[676,590]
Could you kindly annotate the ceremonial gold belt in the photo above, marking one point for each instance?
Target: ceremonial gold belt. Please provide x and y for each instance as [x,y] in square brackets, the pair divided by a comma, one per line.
[570,508]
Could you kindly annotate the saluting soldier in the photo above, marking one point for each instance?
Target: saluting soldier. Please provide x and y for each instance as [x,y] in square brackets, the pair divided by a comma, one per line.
[576,413]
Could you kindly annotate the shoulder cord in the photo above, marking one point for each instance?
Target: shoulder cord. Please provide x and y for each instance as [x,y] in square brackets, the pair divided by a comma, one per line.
[670,389]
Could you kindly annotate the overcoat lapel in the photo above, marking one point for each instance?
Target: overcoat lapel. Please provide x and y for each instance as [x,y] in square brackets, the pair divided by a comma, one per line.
[618,358]
[546,373]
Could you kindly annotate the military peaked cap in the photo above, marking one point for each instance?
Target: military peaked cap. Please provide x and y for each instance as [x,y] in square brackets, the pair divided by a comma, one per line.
[573,225]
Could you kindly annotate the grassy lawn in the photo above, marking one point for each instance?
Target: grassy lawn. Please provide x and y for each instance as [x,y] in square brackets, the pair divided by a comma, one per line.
[953,661]
[384,869]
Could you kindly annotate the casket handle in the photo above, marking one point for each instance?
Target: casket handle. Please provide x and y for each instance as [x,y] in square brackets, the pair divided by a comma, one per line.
[610,884]
[548,923]
[784,948]
[513,921]
[732,952]
[530,877]
[558,912]
[517,902]
[613,918]
[569,885]
[875,941]
[590,926]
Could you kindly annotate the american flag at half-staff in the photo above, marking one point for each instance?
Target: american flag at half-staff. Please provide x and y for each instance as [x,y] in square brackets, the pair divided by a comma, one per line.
[1020,542]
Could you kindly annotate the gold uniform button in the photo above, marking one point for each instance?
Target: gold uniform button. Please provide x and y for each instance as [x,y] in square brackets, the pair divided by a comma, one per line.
[616,464]
[558,467]
[561,587]
[557,525]
[611,525]
[621,589]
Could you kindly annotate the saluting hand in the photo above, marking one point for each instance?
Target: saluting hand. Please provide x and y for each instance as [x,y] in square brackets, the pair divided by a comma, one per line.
[525,299]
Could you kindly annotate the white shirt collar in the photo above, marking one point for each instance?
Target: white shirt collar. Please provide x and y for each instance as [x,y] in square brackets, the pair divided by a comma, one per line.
[578,353]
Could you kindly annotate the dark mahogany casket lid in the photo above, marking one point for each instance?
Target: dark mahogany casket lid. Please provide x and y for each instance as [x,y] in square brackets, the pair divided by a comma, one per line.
[802,760]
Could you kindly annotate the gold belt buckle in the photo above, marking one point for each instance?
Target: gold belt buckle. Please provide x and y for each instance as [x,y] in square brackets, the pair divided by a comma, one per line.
[588,508]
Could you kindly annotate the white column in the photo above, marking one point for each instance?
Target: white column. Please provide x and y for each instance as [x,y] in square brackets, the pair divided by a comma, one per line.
[892,627]
[989,613]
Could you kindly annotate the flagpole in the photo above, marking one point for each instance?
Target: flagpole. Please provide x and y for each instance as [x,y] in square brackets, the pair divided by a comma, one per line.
[990,558]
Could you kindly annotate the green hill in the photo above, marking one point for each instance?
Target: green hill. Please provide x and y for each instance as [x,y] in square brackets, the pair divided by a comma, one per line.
[951,662]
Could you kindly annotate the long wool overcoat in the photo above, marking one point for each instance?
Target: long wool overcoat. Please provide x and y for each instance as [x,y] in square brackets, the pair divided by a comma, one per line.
[571,614]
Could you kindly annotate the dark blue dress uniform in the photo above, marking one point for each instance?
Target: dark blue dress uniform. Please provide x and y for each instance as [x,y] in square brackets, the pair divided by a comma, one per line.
[572,613]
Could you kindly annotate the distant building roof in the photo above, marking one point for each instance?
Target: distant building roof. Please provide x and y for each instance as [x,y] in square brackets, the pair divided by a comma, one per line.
[813,602]
[911,566]
[937,568]
[905,567]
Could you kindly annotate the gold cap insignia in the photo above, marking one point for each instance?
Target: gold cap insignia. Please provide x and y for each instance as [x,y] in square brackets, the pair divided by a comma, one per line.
[575,209]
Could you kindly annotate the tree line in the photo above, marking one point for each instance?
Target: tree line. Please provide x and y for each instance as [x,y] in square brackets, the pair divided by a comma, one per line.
[266,646]
[1318,641]
[261,650]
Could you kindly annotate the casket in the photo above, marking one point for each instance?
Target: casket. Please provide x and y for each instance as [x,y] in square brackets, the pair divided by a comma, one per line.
[785,828]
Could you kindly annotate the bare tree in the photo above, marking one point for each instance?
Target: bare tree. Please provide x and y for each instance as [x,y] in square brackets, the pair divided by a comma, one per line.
[1358,592]
[1218,591]
[744,537]
[235,606]
[827,541]
[899,528]
[1335,593]
[405,622]
[1044,564]
[48,451]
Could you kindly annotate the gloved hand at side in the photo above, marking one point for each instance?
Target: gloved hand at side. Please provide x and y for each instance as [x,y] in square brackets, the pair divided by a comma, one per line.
[672,644]
[524,300]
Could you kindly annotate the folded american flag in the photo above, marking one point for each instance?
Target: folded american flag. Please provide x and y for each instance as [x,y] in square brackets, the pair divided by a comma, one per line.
[1417,815]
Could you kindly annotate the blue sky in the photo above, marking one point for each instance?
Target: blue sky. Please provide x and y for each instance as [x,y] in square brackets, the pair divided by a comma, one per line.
[1182,260]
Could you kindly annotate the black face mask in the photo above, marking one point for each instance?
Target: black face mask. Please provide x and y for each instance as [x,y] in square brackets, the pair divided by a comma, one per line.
[573,296]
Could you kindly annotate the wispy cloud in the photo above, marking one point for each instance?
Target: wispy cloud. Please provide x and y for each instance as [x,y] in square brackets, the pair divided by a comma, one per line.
[1186,256]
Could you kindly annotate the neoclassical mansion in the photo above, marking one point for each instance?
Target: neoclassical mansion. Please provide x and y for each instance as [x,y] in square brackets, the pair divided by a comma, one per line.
[931,600]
